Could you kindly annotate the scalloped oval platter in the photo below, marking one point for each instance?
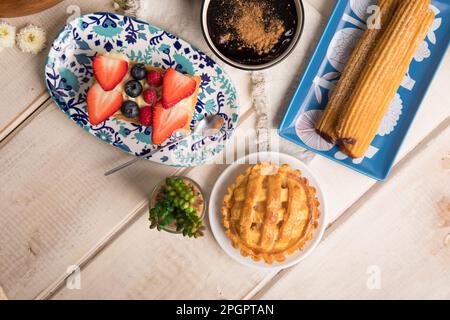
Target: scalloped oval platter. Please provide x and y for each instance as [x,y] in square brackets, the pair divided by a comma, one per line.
[68,75]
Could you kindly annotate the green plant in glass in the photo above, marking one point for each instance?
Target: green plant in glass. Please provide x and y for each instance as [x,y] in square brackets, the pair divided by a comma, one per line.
[176,203]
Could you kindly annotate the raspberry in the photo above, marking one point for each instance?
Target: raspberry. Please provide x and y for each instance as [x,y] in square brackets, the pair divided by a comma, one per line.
[154,78]
[150,97]
[146,115]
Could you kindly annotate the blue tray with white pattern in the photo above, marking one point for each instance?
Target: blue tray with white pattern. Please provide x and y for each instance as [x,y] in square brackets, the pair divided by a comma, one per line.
[346,25]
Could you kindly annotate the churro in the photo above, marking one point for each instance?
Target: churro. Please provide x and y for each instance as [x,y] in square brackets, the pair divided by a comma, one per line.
[382,76]
[349,78]
[359,148]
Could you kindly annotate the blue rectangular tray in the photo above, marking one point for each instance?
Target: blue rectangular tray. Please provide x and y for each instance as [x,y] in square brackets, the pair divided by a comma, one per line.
[344,29]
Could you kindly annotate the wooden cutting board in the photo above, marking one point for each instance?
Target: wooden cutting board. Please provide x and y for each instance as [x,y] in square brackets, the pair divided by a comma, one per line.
[18,8]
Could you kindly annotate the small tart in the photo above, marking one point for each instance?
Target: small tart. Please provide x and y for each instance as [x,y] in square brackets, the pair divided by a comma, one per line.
[270,212]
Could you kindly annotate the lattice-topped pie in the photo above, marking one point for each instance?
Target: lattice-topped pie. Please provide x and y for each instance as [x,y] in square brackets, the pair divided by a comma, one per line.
[270,212]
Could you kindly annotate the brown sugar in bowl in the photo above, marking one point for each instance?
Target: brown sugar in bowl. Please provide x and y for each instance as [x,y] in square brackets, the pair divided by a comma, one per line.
[252,34]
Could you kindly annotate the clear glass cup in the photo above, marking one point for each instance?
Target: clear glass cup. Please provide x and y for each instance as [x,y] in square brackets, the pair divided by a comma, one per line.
[197,191]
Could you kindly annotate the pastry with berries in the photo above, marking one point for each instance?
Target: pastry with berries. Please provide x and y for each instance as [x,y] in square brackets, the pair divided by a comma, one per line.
[142,94]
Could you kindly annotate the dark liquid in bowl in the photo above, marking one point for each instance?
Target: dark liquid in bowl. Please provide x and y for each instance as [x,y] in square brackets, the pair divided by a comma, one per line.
[284,10]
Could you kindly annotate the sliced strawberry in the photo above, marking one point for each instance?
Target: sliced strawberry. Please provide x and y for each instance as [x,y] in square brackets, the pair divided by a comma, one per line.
[167,121]
[109,71]
[176,87]
[102,104]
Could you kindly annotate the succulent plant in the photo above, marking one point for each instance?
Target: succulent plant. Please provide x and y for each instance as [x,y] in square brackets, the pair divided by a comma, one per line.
[175,203]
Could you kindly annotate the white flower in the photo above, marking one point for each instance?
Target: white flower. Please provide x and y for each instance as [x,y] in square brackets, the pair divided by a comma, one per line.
[436,25]
[305,129]
[341,47]
[423,52]
[129,7]
[391,117]
[7,35]
[31,39]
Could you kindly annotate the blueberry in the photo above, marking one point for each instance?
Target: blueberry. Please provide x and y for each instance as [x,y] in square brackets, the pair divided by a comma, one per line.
[138,72]
[130,109]
[133,88]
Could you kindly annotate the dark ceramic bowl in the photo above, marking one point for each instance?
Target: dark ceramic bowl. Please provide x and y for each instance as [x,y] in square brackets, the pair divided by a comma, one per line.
[265,65]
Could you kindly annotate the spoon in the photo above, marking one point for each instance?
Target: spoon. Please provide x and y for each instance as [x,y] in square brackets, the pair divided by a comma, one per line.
[209,125]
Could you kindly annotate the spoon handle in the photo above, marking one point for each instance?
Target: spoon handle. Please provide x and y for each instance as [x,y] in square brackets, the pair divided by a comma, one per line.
[133,161]
[122,166]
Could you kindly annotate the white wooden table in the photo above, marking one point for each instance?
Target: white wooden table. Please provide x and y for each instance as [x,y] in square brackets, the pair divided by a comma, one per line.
[386,239]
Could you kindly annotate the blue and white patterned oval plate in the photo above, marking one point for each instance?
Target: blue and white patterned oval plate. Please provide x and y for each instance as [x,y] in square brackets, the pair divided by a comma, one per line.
[68,75]
[346,25]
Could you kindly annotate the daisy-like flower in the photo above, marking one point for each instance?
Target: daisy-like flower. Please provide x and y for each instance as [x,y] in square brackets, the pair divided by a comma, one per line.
[7,35]
[31,39]
[129,7]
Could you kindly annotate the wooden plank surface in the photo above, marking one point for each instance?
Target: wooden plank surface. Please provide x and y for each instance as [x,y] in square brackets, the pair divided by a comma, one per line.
[404,254]
[323,6]
[342,186]
[71,217]
[434,110]
[55,201]
[2,294]
[22,85]
[157,265]
[132,272]
[52,187]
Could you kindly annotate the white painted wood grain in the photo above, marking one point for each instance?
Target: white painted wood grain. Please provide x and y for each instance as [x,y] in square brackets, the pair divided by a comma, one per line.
[152,265]
[22,86]
[55,203]
[27,92]
[131,274]
[55,192]
[157,265]
[117,258]
[2,294]
[331,173]
[352,185]
[283,79]
[325,7]
[65,209]
[398,233]
[342,186]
